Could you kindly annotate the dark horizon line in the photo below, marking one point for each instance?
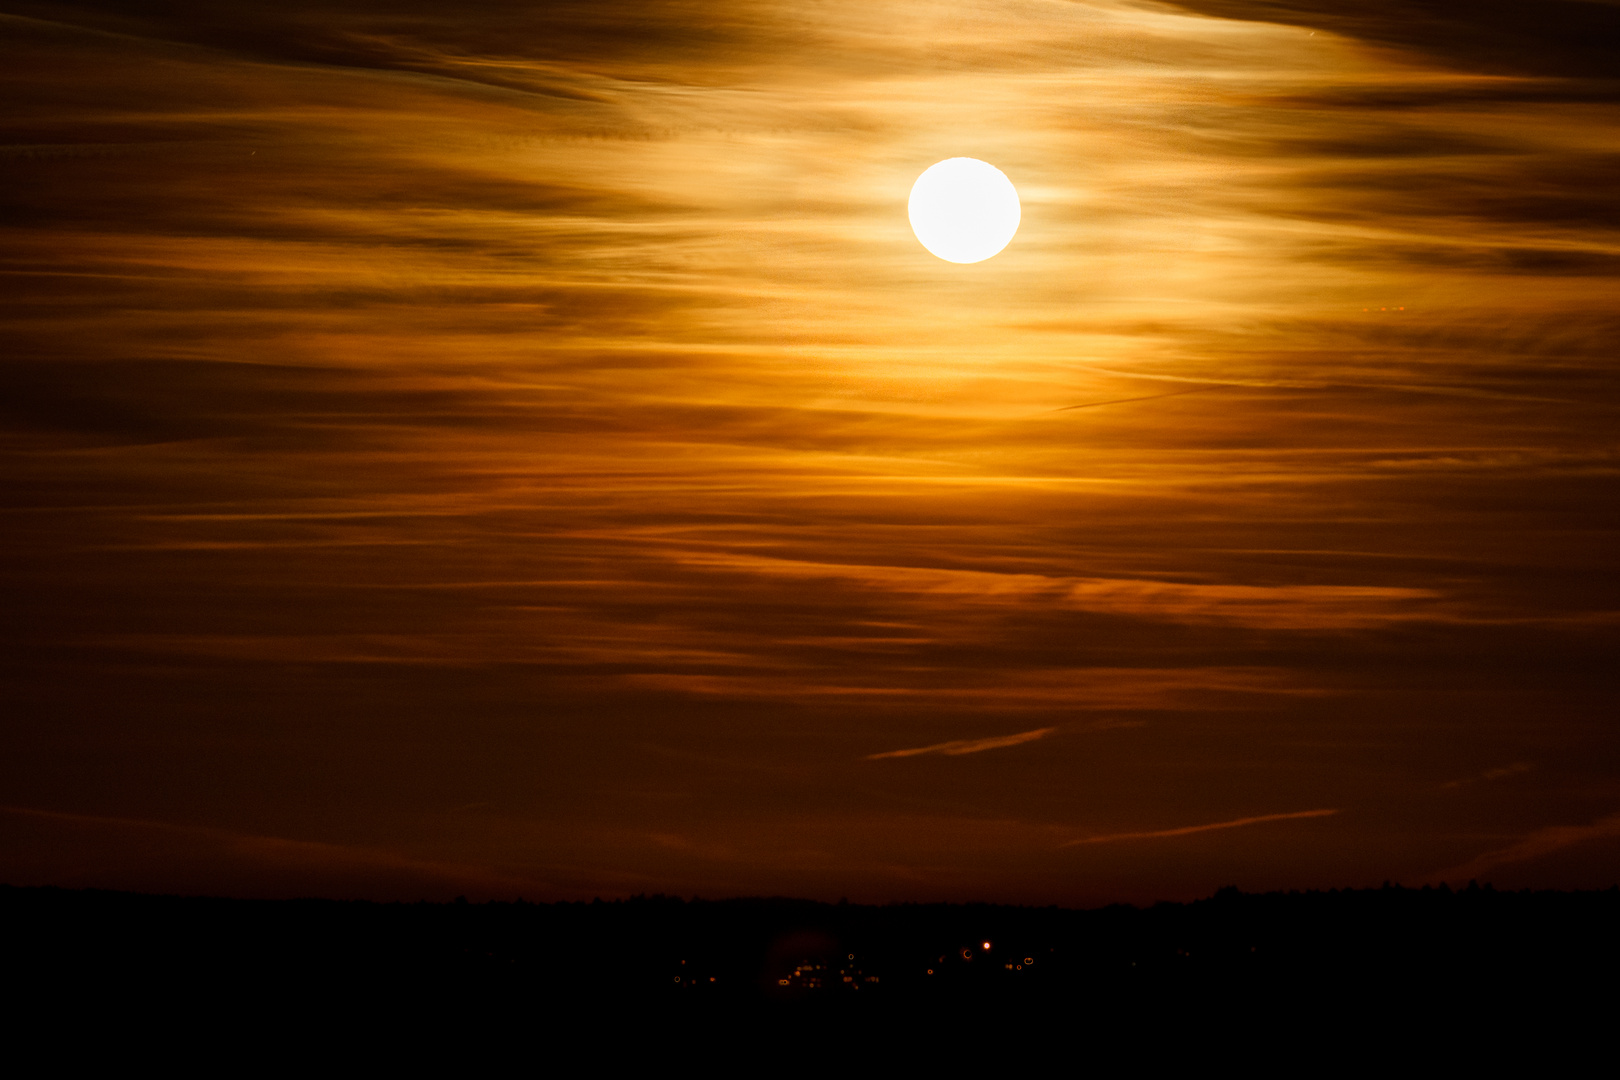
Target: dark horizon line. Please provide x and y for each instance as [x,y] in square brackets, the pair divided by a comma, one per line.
[1474,886]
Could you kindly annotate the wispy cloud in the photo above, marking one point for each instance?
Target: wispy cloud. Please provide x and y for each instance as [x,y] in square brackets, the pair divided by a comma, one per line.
[1299,607]
[1501,773]
[958,747]
[429,402]
[277,863]
[1024,689]
[1536,844]
[1188,830]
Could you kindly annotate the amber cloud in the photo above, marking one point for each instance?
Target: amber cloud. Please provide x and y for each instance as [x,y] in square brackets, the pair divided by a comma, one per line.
[523,448]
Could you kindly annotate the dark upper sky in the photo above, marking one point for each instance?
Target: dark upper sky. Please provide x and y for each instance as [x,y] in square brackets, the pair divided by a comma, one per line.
[515,448]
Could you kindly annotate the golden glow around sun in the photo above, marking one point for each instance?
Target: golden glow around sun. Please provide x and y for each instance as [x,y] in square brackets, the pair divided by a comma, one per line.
[964,210]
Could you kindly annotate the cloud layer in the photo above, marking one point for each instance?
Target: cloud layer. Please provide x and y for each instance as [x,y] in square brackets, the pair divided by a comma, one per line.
[528,439]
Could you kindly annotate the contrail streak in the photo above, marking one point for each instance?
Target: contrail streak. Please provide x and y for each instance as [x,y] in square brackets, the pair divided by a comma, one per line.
[1189,829]
[967,746]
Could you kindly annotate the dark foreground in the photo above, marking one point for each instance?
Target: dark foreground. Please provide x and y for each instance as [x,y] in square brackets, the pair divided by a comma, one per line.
[1382,960]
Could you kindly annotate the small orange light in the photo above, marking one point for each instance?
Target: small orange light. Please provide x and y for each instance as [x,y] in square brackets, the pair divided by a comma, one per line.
[987,945]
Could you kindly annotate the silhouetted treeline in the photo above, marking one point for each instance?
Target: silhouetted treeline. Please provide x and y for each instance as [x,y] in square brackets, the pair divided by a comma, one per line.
[94,947]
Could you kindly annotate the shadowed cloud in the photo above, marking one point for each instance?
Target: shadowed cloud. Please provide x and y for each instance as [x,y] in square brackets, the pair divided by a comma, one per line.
[1537,845]
[1550,37]
[47,847]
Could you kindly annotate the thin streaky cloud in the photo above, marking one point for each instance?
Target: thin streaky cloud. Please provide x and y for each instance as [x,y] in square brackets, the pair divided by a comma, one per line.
[1302,606]
[405,410]
[957,747]
[1130,400]
[1190,829]
[1536,844]
[1515,769]
[279,851]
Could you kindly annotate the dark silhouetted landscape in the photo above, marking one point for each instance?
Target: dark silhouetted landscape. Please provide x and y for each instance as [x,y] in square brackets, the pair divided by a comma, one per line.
[1401,957]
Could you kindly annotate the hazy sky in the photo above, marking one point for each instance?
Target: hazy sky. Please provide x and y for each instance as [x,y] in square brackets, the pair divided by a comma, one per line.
[520,448]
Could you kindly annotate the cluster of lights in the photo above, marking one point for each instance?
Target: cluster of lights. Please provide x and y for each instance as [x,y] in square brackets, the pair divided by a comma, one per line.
[808,976]
[1011,965]
[696,980]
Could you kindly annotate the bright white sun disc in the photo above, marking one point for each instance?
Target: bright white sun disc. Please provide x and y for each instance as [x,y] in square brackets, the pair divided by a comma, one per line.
[964,210]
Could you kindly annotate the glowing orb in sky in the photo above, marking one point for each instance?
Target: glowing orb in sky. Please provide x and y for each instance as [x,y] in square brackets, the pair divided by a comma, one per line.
[964,210]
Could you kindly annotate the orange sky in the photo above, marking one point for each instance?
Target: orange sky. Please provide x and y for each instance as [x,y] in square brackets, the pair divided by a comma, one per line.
[522,449]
